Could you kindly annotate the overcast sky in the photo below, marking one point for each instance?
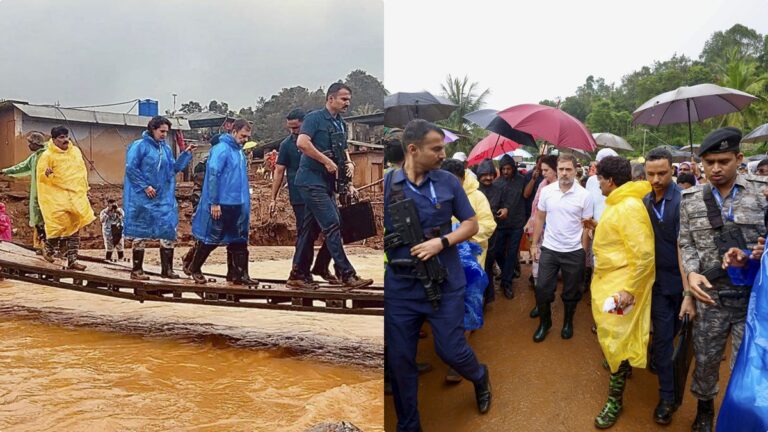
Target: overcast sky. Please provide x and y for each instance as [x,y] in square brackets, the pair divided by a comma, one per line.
[88,52]
[530,50]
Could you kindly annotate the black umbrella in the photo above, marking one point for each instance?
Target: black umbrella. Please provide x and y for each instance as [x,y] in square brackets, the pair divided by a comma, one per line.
[681,358]
[488,120]
[760,133]
[401,107]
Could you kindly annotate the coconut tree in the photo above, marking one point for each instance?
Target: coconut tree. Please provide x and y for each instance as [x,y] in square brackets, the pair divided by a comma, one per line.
[467,97]
[743,74]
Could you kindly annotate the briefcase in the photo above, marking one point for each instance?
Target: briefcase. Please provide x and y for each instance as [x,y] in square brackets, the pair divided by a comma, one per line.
[357,222]
[681,357]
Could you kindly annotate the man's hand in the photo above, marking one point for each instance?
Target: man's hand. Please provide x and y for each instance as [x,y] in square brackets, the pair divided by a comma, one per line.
[535,253]
[536,174]
[625,299]
[48,172]
[735,257]
[215,211]
[272,207]
[150,191]
[350,169]
[757,251]
[502,213]
[354,192]
[331,167]
[688,307]
[697,282]
[428,249]
[190,148]
[589,224]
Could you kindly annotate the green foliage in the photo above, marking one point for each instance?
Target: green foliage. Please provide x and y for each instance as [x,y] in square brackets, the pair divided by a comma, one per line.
[467,99]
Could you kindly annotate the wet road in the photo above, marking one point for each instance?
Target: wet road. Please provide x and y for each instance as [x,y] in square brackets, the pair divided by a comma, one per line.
[553,386]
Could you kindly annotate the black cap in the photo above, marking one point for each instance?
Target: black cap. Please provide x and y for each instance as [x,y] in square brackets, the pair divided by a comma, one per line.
[722,140]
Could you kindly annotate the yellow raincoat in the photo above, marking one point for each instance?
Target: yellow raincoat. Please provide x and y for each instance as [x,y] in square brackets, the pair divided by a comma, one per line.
[482,208]
[624,260]
[63,196]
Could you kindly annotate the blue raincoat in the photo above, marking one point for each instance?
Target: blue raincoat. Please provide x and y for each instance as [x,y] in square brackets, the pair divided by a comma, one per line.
[225,184]
[151,163]
[745,406]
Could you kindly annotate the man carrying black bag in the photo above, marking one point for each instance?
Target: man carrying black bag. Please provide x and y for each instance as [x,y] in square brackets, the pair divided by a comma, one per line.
[425,281]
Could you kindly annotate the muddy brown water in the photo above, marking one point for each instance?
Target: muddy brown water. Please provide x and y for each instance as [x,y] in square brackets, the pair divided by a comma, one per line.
[72,361]
[553,386]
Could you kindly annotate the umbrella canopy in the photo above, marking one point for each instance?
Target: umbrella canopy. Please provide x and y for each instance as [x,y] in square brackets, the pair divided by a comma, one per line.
[400,108]
[677,154]
[759,134]
[489,147]
[449,136]
[490,121]
[520,153]
[605,139]
[550,124]
[688,148]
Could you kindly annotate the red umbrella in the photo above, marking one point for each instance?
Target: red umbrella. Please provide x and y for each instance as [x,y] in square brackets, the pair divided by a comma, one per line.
[489,147]
[550,124]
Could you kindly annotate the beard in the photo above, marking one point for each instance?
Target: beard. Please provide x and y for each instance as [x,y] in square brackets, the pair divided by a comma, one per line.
[565,182]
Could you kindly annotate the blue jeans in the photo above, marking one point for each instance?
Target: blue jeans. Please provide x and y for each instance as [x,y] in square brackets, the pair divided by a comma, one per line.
[301,263]
[506,247]
[320,209]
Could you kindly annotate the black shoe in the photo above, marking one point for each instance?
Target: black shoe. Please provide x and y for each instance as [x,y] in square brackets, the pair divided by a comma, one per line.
[567,332]
[663,412]
[240,259]
[534,312]
[545,322]
[705,414]
[508,291]
[423,367]
[483,392]
[166,264]
[138,263]
[532,281]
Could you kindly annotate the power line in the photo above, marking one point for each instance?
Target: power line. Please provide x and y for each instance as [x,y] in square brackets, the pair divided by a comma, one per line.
[133,101]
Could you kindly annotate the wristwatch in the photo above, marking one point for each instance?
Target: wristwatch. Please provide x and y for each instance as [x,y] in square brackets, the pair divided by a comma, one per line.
[445,242]
[687,293]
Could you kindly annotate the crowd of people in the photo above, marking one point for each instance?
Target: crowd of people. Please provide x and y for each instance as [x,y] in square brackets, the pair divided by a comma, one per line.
[59,205]
[648,244]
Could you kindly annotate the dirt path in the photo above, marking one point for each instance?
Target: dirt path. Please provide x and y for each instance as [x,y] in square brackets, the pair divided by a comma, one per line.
[555,385]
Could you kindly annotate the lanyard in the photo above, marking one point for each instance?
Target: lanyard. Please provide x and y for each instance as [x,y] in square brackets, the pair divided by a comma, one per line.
[432,199]
[338,124]
[659,214]
[719,199]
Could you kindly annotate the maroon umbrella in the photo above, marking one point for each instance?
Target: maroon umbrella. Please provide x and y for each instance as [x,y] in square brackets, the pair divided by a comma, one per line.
[550,124]
[489,147]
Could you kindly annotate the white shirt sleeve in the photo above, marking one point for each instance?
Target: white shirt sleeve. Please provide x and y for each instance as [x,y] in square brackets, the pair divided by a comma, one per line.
[589,207]
[542,205]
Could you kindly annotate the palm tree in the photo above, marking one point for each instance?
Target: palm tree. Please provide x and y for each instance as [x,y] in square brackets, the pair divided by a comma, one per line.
[743,74]
[465,95]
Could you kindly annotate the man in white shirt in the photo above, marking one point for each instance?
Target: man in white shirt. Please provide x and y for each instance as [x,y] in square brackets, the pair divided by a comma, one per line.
[564,206]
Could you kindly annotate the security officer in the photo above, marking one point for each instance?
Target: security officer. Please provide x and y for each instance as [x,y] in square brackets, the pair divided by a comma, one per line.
[437,195]
[314,179]
[729,208]
[663,204]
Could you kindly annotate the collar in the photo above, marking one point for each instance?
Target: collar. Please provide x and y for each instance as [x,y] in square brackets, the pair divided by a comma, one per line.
[572,188]
[399,177]
[328,115]
[741,180]
[669,194]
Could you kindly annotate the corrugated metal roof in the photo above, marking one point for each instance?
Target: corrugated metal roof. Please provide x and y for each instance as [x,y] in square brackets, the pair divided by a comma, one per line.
[97,117]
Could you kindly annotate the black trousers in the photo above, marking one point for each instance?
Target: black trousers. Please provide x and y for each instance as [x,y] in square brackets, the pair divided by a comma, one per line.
[571,264]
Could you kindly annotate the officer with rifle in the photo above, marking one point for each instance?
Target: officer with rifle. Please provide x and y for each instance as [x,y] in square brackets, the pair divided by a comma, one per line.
[424,279]
[324,169]
[715,217]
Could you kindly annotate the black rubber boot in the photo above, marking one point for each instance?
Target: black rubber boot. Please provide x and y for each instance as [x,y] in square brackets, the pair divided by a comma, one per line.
[120,255]
[705,414]
[166,264]
[108,256]
[483,392]
[534,312]
[231,267]
[186,260]
[570,310]
[138,265]
[240,259]
[545,321]
[201,254]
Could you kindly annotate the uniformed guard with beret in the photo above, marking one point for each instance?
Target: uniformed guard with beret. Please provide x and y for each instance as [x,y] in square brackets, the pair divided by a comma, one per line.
[727,212]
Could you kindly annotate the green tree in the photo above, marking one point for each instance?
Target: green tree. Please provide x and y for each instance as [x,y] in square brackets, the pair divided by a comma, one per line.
[747,42]
[366,90]
[467,98]
[740,73]
[191,107]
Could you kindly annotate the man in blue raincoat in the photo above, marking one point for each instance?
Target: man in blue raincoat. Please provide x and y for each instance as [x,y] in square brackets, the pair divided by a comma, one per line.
[223,214]
[149,195]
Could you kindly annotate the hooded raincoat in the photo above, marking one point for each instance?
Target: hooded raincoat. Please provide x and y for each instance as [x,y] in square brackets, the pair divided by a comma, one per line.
[6,227]
[225,184]
[63,196]
[624,260]
[151,163]
[28,167]
[482,208]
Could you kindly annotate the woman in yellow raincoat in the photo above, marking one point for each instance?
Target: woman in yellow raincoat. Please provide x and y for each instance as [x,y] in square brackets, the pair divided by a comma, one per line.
[62,191]
[624,271]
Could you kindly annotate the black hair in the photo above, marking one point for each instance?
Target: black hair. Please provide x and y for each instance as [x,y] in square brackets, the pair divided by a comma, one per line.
[659,153]
[393,151]
[550,160]
[296,114]
[335,88]
[417,129]
[686,178]
[240,124]
[58,131]
[453,166]
[156,122]
[615,168]
[762,163]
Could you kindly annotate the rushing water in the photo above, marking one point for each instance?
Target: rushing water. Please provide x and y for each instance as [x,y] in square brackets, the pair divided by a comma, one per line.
[75,361]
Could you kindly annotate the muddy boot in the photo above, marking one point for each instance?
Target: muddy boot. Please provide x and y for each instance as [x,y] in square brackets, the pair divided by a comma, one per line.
[301,284]
[327,276]
[186,260]
[570,310]
[49,249]
[545,321]
[166,264]
[138,265]
[354,281]
[534,312]
[483,392]
[240,260]
[108,256]
[705,413]
[73,245]
[614,404]
[120,255]
[201,254]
